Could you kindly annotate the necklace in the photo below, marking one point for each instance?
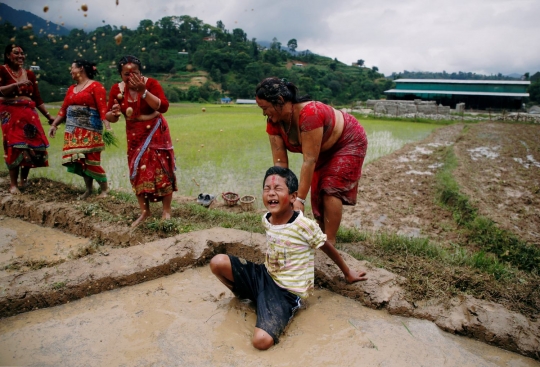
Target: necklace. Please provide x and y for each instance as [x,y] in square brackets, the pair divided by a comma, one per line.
[290,121]
[12,73]
[80,89]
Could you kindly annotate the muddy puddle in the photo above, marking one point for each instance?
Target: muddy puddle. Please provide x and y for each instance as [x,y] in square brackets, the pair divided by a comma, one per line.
[23,243]
[189,318]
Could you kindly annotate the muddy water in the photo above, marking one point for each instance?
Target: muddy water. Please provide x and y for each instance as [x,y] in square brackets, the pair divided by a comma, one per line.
[189,318]
[23,242]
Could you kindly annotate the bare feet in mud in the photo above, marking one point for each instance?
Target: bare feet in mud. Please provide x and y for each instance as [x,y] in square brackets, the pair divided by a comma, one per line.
[24,184]
[14,190]
[103,194]
[85,195]
[104,190]
[166,215]
[141,219]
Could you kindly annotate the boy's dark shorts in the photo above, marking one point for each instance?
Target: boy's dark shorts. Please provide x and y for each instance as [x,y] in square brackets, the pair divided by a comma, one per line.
[275,305]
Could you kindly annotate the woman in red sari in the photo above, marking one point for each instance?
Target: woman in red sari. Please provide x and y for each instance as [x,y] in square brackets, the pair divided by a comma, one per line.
[150,150]
[333,145]
[84,109]
[25,142]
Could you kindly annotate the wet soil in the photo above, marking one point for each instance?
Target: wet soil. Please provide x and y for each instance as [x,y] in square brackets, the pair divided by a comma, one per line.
[189,318]
[498,169]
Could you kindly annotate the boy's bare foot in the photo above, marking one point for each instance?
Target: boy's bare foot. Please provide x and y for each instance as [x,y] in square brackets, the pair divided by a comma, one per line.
[85,195]
[14,190]
[141,219]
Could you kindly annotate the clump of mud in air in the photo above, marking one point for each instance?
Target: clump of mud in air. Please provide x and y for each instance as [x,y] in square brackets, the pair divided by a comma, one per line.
[118,38]
[45,9]
[84,7]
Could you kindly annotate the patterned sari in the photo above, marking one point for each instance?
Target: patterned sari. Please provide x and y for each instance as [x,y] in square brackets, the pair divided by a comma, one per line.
[25,142]
[83,143]
[151,158]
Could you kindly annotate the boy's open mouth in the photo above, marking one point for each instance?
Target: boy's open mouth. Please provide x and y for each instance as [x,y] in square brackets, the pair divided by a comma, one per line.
[273,202]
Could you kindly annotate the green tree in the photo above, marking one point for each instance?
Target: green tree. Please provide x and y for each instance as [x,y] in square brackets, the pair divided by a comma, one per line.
[534,92]
[292,44]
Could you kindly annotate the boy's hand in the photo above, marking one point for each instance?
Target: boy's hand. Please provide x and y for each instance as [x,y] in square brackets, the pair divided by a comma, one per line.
[355,276]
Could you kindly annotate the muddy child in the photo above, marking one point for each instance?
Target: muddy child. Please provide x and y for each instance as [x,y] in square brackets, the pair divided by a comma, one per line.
[278,286]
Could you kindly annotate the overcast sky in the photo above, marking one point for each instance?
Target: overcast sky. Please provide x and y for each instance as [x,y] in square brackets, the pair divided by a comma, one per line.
[482,36]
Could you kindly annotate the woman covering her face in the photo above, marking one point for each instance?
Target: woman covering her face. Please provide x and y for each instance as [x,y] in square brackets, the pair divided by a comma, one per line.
[150,150]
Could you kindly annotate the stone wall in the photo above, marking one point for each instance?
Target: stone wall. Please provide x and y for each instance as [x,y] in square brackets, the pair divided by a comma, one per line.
[399,108]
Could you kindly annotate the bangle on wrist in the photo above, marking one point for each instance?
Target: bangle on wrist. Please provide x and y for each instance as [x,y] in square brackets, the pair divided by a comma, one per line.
[303,201]
[144,94]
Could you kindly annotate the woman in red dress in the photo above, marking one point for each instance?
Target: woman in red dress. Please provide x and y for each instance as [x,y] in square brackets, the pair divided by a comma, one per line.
[84,109]
[25,142]
[333,145]
[150,150]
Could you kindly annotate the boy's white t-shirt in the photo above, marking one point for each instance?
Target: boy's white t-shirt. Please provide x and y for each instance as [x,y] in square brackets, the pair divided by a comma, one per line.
[290,255]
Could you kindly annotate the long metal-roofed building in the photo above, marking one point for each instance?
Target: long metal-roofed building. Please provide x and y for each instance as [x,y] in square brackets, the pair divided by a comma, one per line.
[476,94]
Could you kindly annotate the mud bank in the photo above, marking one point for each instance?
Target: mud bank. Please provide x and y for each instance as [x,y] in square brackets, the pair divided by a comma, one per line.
[191,319]
[122,267]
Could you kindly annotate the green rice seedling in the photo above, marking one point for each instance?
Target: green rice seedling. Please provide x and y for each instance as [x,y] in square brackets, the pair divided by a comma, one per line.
[163,225]
[110,139]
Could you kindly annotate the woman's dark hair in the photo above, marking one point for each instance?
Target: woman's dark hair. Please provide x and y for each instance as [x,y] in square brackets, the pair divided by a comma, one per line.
[127,60]
[89,67]
[287,174]
[270,89]
[8,50]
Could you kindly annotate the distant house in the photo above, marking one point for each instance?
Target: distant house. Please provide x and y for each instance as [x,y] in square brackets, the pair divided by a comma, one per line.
[34,67]
[476,94]
[209,38]
[225,100]
[299,65]
[246,101]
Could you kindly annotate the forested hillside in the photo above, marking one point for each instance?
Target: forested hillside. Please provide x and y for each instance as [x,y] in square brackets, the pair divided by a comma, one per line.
[193,60]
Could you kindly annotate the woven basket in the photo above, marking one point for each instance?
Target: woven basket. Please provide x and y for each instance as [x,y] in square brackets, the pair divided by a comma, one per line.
[247,202]
[230,198]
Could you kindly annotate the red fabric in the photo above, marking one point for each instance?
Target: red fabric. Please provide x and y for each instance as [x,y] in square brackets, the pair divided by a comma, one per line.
[25,142]
[93,96]
[312,116]
[338,169]
[30,91]
[83,147]
[155,177]
[140,106]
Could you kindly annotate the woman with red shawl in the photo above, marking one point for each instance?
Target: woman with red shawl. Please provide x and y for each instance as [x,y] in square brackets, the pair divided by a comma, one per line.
[84,109]
[332,143]
[150,150]
[25,142]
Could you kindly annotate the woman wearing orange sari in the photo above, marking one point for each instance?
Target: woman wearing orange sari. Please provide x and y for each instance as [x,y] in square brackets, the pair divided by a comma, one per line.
[150,150]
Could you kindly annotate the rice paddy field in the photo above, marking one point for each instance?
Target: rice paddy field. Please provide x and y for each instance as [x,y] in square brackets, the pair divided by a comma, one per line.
[225,148]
